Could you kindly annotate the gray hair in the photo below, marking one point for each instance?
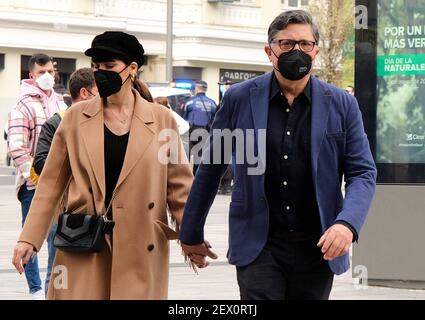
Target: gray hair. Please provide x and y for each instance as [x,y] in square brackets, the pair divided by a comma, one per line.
[286,18]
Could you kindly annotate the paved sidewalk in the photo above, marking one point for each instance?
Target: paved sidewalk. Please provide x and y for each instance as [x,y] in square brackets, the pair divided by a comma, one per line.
[218,281]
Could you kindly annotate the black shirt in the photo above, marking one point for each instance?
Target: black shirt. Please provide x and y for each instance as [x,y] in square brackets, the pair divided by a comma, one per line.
[288,178]
[115,149]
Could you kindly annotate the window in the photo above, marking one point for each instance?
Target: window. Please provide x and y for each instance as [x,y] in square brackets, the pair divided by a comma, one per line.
[304,2]
[293,3]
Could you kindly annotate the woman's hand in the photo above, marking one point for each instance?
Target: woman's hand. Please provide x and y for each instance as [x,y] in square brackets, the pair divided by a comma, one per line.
[23,252]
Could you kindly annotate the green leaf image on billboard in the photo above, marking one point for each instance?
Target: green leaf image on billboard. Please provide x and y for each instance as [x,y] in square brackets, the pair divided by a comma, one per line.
[401,81]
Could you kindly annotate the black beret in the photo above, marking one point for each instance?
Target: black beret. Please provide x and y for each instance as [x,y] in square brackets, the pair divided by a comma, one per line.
[117,43]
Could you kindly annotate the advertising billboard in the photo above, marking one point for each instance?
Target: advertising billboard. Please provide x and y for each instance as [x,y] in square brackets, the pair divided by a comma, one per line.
[390,86]
[401,82]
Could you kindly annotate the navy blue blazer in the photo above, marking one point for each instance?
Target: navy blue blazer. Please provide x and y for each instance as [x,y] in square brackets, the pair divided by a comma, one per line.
[339,147]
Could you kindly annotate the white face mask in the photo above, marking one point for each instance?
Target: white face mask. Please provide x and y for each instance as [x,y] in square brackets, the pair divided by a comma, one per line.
[45,81]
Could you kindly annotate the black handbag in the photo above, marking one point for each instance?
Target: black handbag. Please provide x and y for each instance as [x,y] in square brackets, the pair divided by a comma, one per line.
[82,232]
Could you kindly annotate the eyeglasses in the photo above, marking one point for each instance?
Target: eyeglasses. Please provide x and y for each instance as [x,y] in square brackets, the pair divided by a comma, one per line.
[287,45]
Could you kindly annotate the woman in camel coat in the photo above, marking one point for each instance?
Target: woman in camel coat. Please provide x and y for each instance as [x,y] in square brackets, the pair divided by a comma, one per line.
[134,262]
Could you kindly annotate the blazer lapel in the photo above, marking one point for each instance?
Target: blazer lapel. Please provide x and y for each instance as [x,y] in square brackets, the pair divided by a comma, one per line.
[93,141]
[140,138]
[259,100]
[321,98]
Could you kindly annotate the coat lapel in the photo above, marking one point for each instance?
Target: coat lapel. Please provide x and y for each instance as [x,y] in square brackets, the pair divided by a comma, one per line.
[93,141]
[321,98]
[259,100]
[141,136]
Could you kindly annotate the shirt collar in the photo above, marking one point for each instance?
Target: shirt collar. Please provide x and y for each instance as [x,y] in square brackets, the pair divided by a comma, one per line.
[275,89]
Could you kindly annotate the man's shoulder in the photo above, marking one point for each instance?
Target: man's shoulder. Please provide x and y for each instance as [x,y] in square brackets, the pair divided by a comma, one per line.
[340,98]
[29,104]
[210,100]
[189,102]
[54,120]
[242,88]
[331,89]
[75,112]
[334,90]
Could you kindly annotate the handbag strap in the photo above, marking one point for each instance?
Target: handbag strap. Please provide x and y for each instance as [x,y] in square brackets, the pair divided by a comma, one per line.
[105,216]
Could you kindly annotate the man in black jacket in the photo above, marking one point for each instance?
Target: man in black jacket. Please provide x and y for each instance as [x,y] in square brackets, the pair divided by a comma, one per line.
[82,86]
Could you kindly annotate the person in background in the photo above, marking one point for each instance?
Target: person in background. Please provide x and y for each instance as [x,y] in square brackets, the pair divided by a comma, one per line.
[182,124]
[225,187]
[199,112]
[162,101]
[350,90]
[59,88]
[82,87]
[6,129]
[37,103]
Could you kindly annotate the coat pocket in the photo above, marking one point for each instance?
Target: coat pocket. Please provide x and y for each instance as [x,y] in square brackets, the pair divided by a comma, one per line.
[169,233]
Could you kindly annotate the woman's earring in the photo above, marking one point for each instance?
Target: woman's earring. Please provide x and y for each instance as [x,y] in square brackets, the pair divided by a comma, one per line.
[133,77]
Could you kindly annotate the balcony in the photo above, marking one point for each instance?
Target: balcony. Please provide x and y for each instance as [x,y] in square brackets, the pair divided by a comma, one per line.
[245,13]
[185,11]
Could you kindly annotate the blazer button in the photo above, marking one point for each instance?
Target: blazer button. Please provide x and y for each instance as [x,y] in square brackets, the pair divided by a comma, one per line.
[151,247]
[151,205]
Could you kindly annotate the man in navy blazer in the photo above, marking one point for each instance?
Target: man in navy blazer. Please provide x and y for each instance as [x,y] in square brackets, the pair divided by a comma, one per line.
[290,229]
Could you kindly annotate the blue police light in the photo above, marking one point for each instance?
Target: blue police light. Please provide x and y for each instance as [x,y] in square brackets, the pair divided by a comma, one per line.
[184,85]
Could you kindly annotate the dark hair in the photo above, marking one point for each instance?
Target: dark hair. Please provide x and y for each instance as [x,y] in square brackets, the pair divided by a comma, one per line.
[142,88]
[286,18]
[81,78]
[162,101]
[39,58]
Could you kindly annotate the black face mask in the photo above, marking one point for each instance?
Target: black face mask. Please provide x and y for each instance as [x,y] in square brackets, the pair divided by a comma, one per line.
[294,65]
[108,82]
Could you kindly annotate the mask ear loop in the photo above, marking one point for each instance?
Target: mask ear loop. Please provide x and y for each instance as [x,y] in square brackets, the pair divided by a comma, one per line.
[129,75]
[270,46]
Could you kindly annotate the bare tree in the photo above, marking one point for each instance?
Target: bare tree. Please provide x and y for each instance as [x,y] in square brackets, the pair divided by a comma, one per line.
[335,19]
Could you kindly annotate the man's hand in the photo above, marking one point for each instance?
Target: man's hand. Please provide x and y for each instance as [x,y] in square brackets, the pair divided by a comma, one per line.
[336,241]
[198,253]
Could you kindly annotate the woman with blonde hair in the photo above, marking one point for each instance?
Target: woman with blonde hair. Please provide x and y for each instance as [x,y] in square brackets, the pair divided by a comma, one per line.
[114,239]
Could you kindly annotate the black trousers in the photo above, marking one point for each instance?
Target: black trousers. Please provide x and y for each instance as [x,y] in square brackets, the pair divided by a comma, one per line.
[226,180]
[287,270]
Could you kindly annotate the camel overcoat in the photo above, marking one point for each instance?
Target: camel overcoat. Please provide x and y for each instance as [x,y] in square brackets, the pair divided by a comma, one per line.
[135,265]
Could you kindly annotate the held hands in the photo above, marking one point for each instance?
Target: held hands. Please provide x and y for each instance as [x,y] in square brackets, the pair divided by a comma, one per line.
[23,252]
[336,241]
[198,253]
